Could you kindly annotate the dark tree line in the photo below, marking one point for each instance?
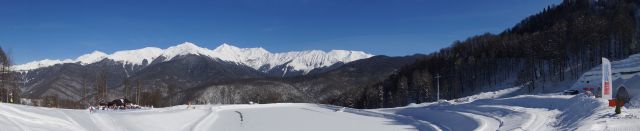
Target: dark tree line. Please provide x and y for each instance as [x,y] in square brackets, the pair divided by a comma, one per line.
[558,44]
[9,85]
[96,92]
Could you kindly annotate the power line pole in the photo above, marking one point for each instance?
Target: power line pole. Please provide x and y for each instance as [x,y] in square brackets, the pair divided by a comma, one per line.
[438,81]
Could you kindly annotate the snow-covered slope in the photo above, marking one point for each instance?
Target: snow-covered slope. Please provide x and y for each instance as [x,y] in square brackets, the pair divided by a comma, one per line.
[257,58]
[42,63]
[262,117]
[487,111]
[624,72]
[624,69]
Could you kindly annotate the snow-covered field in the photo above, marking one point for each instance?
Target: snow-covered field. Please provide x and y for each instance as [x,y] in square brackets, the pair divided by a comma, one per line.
[262,117]
[486,111]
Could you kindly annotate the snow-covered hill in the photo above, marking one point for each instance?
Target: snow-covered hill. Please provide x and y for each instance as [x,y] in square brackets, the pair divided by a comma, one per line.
[625,72]
[621,69]
[487,111]
[257,58]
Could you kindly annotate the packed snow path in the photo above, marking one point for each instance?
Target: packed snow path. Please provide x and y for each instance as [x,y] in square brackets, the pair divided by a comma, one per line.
[494,114]
[288,117]
[480,112]
[262,117]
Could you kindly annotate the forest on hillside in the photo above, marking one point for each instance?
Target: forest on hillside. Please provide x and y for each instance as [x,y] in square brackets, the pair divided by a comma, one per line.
[558,44]
[9,82]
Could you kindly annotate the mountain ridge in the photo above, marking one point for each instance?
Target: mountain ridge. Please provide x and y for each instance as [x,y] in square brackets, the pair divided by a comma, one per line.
[256,58]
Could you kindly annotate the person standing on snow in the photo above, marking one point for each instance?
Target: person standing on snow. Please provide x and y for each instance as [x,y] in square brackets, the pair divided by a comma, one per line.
[91,109]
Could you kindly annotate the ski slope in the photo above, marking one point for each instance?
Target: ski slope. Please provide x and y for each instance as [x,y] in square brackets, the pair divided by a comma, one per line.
[274,117]
[499,110]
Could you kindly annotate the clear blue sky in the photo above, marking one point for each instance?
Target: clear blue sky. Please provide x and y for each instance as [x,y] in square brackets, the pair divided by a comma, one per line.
[58,29]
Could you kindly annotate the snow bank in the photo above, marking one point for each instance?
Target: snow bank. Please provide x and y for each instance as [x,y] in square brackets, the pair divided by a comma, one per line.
[577,109]
[489,95]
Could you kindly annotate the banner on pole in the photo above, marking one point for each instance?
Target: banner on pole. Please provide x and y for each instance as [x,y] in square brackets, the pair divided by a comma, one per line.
[606,79]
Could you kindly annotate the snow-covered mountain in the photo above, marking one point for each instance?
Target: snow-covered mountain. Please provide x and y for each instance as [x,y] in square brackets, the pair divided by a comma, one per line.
[257,58]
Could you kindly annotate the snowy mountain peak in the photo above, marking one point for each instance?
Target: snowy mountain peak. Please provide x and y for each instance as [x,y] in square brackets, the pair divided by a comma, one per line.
[92,57]
[257,58]
[188,45]
[225,46]
[260,49]
[184,49]
[136,57]
[97,53]
[227,49]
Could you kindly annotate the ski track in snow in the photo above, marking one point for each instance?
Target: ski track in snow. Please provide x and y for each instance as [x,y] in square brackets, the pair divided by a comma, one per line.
[409,120]
[75,123]
[25,120]
[206,121]
[106,123]
[535,119]
[486,112]
[20,126]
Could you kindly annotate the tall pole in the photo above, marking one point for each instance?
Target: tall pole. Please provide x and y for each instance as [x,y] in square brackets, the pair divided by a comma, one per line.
[438,81]
[138,90]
